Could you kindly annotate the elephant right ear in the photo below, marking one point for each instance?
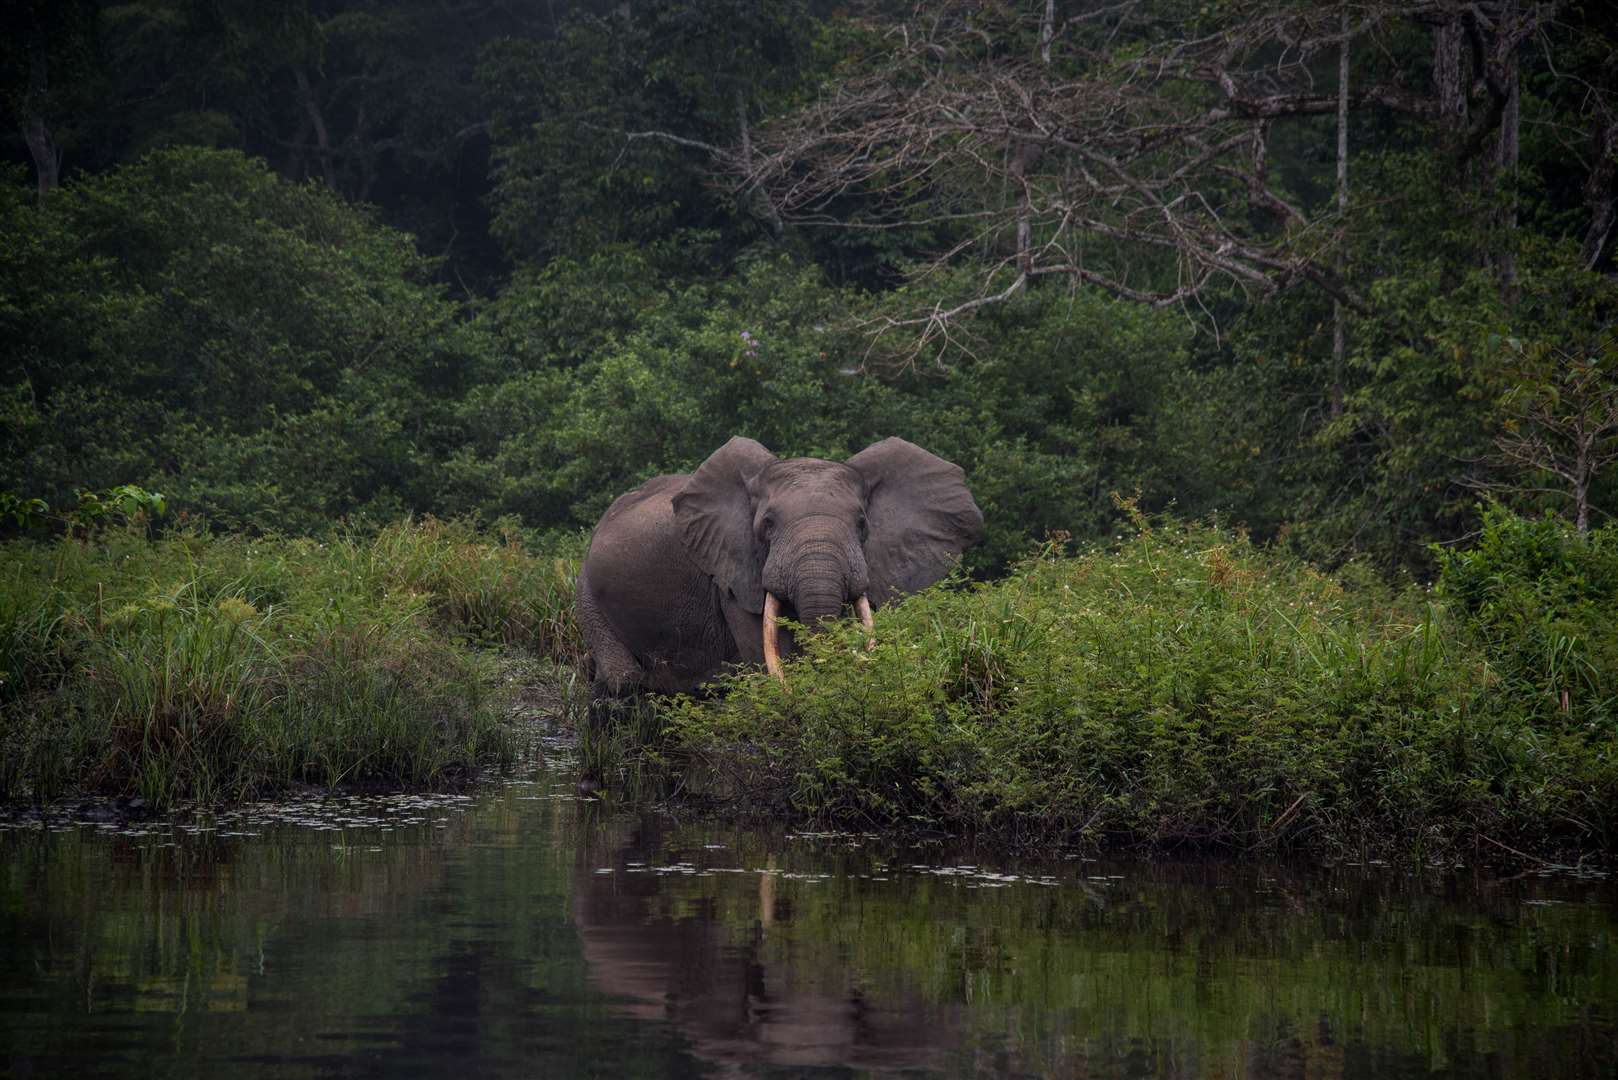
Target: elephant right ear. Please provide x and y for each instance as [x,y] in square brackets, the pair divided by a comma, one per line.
[714,513]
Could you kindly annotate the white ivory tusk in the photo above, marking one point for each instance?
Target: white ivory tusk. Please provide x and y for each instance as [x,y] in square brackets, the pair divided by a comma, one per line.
[862,607]
[772,658]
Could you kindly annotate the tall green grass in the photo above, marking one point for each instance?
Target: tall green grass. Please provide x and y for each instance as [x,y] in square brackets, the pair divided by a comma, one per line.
[216,668]
[1184,690]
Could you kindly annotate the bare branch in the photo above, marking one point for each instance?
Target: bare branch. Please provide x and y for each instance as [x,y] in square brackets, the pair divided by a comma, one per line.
[1156,160]
[1046,152]
[718,153]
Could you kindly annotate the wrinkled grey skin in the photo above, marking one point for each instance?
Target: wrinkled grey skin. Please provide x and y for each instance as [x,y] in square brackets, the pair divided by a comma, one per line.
[672,588]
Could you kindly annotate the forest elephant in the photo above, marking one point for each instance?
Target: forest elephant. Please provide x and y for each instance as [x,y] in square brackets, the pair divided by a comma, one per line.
[688,574]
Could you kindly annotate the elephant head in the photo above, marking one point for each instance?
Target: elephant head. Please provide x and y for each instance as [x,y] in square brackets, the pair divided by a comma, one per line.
[802,537]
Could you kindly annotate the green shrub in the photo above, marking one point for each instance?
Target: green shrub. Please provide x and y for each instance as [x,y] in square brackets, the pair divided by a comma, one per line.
[139,346]
[1185,689]
[1542,601]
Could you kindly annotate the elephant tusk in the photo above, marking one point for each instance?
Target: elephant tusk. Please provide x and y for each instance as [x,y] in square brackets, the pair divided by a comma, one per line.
[862,607]
[772,658]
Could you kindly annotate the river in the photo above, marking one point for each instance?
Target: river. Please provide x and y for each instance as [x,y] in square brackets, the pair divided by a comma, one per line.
[518,932]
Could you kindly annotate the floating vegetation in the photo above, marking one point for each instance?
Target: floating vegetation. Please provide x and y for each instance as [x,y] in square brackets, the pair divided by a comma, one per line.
[382,813]
[973,877]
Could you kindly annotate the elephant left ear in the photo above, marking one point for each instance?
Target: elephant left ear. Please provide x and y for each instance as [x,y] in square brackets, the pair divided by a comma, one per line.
[714,512]
[920,513]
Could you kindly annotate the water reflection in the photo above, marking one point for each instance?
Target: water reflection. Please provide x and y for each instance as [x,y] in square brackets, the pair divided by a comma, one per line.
[707,957]
[523,933]
[774,956]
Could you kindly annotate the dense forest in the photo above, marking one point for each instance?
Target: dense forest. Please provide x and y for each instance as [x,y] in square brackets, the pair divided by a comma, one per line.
[1337,273]
[1276,339]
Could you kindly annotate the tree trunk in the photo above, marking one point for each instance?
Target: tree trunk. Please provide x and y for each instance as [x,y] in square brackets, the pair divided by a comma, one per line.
[1339,337]
[1450,81]
[1025,156]
[41,145]
[311,107]
[1582,471]
[1601,186]
[1505,165]
[763,207]
[295,166]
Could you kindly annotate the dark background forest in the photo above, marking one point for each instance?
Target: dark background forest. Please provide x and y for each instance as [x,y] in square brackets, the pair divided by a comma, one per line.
[1337,273]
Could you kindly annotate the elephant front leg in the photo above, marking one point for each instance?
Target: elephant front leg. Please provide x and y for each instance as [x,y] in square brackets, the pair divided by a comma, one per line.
[617,681]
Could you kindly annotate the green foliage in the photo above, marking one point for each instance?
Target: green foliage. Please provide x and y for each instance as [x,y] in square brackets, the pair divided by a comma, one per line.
[133,507]
[219,334]
[1542,601]
[1186,689]
[214,669]
[24,513]
[376,98]
[359,394]
[1441,367]
[568,177]
[209,323]
[611,382]
[96,509]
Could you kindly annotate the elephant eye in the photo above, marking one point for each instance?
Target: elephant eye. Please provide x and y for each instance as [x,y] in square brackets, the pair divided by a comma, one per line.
[766,527]
[865,529]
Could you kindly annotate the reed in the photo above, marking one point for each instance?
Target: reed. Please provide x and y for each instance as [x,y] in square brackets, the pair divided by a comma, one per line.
[215,668]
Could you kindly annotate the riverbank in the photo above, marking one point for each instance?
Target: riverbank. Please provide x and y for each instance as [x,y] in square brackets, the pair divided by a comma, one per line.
[1182,690]
[213,669]
[1191,691]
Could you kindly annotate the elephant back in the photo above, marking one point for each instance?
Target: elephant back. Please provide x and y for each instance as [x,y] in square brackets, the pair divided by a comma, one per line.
[641,600]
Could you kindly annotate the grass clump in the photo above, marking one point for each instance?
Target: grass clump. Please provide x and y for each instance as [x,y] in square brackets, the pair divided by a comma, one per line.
[1542,601]
[219,668]
[1184,689]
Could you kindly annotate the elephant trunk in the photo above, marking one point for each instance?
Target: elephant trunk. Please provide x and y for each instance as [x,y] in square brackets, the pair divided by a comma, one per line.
[818,605]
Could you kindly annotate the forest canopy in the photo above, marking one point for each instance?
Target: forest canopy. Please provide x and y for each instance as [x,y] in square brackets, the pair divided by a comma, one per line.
[1338,273]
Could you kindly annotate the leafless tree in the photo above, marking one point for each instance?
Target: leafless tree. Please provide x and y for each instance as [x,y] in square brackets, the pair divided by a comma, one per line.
[1143,170]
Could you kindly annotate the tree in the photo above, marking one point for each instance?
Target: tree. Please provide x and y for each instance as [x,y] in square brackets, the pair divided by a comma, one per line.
[47,76]
[259,351]
[1560,425]
[612,132]
[378,100]
[1137,158]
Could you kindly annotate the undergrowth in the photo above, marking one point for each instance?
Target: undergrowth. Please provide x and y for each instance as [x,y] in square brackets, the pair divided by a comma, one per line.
[1185,690]
[205,668]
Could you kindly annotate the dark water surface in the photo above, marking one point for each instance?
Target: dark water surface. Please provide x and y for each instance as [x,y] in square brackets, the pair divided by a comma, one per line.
[518,932]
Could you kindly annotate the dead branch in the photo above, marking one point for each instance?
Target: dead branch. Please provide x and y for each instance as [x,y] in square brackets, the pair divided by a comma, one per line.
[1140,172]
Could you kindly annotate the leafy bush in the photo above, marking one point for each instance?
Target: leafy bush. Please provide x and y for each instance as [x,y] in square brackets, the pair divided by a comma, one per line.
[1542,601]
[1187,688]
[196,325]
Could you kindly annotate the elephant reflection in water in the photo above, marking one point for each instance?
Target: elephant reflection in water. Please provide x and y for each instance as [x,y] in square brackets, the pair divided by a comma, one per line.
[719,988]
